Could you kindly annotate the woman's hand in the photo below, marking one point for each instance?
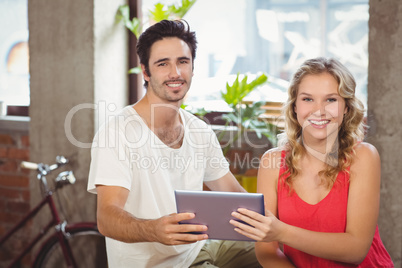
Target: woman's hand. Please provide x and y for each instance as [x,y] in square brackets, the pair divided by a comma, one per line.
[262,229]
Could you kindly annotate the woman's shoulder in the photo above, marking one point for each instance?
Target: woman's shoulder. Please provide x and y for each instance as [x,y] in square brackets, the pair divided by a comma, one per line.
[365,150]
[275,152]
[366,155]
[272,159]
[268,172]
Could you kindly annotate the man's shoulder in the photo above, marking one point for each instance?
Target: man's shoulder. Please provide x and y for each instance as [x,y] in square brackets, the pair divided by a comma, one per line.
[123,116]
[118,121]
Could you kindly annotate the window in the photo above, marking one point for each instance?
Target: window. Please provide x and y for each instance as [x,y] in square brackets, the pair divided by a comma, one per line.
[14,56]
[275,37]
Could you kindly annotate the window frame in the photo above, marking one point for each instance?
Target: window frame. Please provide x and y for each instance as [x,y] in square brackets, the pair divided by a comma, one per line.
[135,88]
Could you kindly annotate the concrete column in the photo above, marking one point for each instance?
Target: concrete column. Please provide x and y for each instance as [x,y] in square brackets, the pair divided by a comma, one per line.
[385,116]
[78,64]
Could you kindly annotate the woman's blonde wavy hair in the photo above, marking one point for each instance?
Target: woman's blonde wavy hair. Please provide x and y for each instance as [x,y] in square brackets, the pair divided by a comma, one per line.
[350,132]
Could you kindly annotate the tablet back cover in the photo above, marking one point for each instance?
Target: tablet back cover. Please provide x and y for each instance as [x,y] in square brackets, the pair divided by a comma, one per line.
[214,209]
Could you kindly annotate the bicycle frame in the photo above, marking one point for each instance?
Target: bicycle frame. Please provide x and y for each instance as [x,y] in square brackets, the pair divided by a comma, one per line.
[55,221]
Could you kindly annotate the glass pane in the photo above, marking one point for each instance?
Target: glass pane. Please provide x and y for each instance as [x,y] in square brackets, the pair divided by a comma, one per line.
[275,37]
[347,39]
[14,56]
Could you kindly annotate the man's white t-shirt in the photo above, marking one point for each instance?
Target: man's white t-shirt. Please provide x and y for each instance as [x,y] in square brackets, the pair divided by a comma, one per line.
[126,153]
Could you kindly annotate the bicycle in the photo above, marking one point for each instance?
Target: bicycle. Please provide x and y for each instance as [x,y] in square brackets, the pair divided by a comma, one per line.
[64,247]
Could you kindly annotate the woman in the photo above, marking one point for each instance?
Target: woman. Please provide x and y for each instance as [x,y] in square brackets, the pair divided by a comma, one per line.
[322,185]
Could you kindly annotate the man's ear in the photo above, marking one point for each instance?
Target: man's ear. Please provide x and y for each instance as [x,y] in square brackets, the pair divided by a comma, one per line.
[144,73]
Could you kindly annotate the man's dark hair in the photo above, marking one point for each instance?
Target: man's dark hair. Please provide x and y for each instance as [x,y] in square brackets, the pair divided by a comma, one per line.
[160,30]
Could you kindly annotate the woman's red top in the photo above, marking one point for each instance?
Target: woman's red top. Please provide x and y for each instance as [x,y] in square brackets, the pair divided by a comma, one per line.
[329,215]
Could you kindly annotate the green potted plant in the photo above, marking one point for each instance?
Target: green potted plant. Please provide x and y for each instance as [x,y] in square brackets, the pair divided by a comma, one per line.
[244,123]
[246,116]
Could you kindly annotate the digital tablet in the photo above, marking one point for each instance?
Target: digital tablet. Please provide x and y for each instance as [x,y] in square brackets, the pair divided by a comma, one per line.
[214,209]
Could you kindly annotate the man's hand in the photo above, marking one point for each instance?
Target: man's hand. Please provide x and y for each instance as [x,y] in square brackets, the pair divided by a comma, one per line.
[116,223]
[168,231]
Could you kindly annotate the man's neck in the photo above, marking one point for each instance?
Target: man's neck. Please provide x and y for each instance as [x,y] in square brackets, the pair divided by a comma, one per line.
[163,120]
[158,114]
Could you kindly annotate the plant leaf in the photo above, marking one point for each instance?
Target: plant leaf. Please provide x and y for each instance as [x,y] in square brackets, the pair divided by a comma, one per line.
[135,70]
[134,25]
[231,117]
[180,11]
[123,13]
[159,13]
[238,90]
[230,95]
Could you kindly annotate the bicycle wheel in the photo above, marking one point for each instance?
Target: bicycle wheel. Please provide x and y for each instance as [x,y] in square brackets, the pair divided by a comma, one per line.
[87,246]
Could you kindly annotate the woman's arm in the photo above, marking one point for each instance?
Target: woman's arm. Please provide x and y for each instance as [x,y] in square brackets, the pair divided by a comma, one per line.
[268,253]
[362,212]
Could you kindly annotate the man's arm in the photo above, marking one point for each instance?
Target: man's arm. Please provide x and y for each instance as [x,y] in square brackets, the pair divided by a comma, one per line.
[227,183]
[116,223]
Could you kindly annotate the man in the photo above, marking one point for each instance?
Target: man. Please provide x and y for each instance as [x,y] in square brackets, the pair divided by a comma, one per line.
[152,148]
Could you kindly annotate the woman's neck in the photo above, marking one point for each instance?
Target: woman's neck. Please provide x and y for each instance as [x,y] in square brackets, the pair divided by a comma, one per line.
[320,150]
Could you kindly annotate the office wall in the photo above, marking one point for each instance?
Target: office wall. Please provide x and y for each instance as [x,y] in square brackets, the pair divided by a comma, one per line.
[78,65]
[14,184]
[385,116]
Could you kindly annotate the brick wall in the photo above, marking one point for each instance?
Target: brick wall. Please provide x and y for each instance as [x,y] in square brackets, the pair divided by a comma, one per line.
[14,189]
